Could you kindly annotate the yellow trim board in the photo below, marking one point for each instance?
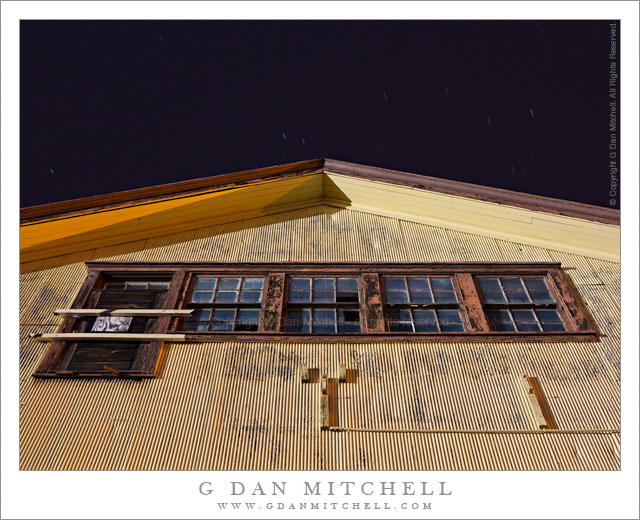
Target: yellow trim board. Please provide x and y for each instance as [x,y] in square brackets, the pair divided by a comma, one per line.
[144,220]
[479,217]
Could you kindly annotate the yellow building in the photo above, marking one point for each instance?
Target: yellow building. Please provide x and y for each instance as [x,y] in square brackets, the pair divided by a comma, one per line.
[319,315]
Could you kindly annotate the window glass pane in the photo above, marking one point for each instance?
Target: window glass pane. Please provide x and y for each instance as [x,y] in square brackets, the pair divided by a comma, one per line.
[323,284]
[400,326]
[493,297]
[421,297]
[226,296]
[450,320]
[399,314]
[299,321]
[512,284]
[418,284]
[395,284]
[445,297]
[206,283]
[525,320]
[200,315]
[548,315]
[250,296]
[202,297]
[489,284]
[541,296]
[199,326]
[223,319]
[248,319]
[198,320]
[324,321]
[550,320]
[441,284]
[425,320]
[347,290]
[528,326]
[348,284]
[523,315]
[536,284]
[397,297]
[399,320]
[300,296]
[552,326]
[224,314]
[300,284]
[517,297]
[323,296]
[349,326]
[500,320]
[253,284]
[229,284]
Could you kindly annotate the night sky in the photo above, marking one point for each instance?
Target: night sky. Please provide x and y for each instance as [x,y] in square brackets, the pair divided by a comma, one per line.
[114,105]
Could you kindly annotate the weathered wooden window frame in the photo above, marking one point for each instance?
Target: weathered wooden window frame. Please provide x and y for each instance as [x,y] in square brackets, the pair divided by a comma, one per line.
[579,324]
[58,356]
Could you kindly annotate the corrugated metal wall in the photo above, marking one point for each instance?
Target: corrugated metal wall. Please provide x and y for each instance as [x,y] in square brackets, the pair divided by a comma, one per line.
[242,405]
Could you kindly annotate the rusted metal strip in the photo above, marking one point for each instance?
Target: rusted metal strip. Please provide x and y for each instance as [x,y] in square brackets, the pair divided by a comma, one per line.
[544,404]
[472,432]
[332,393]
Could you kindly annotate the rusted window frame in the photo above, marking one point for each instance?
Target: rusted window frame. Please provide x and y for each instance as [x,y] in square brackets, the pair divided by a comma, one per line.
[579,324]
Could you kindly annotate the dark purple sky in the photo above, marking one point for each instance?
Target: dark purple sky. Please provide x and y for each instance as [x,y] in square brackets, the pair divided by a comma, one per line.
[113,105]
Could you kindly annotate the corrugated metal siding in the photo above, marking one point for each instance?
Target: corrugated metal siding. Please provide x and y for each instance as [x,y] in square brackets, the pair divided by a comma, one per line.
[242,405]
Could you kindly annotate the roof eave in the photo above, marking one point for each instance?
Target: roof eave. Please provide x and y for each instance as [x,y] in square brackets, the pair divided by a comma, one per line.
[456,188]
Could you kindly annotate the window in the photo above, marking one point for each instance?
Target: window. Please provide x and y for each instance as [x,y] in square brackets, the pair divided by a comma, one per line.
[225,304]
[118,318]
[124,311]
[323,305]
[434,304]
[522,304]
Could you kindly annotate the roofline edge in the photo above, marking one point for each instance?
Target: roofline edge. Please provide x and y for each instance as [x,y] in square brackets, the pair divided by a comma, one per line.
[476,191]
[457,188]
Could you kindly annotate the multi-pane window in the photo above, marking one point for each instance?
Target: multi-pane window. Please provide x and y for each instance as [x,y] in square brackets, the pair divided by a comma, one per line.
[421,304]
[225,304]
[323,305]
[124,311]
[522,304]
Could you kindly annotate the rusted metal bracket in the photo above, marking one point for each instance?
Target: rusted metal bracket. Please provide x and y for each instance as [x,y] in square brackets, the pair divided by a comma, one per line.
[539,404]
[324,402]
[328,391]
